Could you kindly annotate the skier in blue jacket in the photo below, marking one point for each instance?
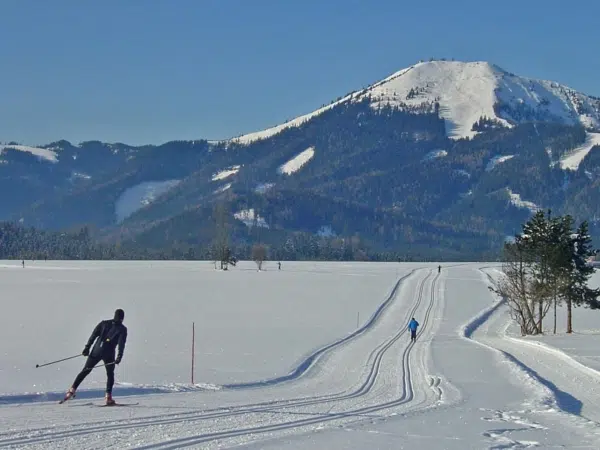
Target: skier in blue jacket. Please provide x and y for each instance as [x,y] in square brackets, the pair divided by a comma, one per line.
[412,326]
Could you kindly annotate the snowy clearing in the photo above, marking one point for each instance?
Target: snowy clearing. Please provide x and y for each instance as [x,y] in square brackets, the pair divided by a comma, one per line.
[263,187]
[572,160]
[516,200]
[435,154]
[251,219]
[316,355]
[498,159]
[141,195]
[226,173]
[296,163]
[222,188]
[42,153]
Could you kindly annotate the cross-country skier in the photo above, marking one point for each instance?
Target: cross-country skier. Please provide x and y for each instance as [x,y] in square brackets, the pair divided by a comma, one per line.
[412,326]
[107,335]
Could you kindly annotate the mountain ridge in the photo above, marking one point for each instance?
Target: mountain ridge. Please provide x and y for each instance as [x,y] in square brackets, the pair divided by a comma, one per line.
[453,148]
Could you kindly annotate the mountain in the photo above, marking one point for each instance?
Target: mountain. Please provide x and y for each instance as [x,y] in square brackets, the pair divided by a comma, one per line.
[467,92]
[443,159]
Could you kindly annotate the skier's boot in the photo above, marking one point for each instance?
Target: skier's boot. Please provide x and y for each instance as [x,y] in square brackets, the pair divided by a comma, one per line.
[109,400]
[69,395]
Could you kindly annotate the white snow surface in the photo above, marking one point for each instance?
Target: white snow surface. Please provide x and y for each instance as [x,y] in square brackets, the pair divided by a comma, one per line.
[498,159]
[140,196]
[263,187]
[226,173]
[222,188]
[435,154]
[517,201]
[466,92]
[296,163]
[572,160]
[42,153]
[249,217]
[316,355]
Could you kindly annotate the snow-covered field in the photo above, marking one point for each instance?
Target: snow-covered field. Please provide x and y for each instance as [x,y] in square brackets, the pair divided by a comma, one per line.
[313,356]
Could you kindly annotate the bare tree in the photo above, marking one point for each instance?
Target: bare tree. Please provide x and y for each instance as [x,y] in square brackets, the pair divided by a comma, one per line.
[259,255]
[518,288]
[221,251]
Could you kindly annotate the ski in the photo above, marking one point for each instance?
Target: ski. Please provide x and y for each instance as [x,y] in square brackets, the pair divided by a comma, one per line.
[117,404]
[66,399]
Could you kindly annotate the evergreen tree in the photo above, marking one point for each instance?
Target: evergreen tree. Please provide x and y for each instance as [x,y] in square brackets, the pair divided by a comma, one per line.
[577,292]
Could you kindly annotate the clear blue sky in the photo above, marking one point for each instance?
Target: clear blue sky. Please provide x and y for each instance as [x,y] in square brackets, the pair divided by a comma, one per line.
[149,71]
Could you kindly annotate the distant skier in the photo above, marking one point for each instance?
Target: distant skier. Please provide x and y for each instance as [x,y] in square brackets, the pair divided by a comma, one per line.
[23,263]
[107,335]
[412,326]
[279,264]
[439,269]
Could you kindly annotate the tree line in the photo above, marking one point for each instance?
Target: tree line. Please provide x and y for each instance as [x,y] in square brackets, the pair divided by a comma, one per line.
[547,265]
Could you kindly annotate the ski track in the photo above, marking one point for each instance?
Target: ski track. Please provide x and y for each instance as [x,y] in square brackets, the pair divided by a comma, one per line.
[559,385]
[274,418]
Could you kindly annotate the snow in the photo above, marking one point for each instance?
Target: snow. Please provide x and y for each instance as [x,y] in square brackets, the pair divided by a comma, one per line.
[498,159]
[572,160]
[222,188]
[516,200]
[263,187]
[435,154]
[81,175]
[269,132]
[326,231]
[42,153]
[226,173]
[249,218]
[141,195]
[296,163]
[313,356]
[467,92]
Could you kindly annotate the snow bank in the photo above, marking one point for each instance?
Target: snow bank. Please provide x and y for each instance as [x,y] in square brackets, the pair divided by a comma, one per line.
[41,153]
[542,394]
[141,195]
[572,160]
[296,163]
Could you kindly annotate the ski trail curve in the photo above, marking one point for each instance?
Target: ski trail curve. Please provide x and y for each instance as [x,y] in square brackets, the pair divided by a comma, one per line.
[266,418]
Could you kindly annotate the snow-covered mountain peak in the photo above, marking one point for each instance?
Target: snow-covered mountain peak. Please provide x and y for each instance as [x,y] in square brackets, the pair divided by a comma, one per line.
[465,92]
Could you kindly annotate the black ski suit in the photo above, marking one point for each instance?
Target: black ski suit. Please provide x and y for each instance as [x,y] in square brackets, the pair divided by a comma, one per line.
[108,334]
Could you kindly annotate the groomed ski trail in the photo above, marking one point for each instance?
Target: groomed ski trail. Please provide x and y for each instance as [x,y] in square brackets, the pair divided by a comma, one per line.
[382,382]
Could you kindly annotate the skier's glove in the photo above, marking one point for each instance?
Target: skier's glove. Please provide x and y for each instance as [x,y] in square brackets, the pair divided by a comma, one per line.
[86,352]
[118,360]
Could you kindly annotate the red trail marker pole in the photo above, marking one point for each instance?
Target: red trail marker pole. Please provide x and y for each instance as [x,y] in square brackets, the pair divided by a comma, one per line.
[193,345]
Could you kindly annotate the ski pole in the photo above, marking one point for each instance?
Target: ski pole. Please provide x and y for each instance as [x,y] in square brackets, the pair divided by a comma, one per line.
[57,361]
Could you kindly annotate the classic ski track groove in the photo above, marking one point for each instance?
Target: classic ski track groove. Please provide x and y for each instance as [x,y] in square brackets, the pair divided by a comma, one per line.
[234,409]
[376,355]
[407,394]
